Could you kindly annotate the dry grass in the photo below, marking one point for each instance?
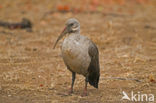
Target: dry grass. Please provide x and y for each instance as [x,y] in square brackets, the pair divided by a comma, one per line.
[32,72]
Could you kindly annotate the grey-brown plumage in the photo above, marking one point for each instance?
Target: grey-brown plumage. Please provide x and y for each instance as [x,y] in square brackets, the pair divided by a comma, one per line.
[80,55]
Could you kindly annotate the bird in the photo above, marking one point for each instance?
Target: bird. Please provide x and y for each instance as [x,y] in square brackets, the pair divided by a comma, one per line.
[80,55]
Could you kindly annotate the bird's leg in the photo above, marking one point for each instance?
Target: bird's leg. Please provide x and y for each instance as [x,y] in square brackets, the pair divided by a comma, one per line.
[85,89]
[73,80]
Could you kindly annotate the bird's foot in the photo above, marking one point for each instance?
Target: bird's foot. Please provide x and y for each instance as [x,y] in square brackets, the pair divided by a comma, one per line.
[70,92]
[84,94]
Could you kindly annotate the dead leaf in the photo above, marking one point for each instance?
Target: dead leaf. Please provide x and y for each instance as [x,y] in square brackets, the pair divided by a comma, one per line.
[151,78]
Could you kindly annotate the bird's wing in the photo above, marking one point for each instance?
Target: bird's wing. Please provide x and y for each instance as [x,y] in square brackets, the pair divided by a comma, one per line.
[94,67]
[94,54]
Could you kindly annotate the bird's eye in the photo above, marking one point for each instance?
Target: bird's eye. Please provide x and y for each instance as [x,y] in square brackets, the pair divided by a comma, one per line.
[71,24]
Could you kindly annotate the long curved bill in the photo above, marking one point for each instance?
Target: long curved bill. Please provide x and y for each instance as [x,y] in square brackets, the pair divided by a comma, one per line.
[63,33]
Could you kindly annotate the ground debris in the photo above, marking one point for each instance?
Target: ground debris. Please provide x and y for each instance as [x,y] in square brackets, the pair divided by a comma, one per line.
[24,24]
[122,78]
[151,78]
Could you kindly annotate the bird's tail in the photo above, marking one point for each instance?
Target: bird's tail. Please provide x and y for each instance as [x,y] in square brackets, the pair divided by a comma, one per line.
[94,79]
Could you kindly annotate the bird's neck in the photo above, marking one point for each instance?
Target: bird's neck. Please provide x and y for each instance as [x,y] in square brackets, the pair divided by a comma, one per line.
[74,33]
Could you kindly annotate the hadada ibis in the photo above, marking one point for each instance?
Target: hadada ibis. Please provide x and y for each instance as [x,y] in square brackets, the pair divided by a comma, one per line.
[80,54]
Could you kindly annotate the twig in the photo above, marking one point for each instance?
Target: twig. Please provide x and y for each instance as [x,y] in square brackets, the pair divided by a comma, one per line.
[121,78]
[24,24]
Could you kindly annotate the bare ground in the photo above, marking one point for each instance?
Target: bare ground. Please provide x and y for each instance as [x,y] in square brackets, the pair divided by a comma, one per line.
[32,72]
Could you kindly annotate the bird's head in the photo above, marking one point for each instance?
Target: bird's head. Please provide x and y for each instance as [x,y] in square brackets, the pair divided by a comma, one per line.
[71,26]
